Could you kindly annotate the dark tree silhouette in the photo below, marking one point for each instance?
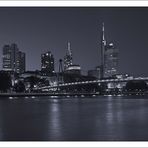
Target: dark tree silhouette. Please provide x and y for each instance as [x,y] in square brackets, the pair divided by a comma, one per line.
[5,81]
[136,86]
[19,87]
[32,80]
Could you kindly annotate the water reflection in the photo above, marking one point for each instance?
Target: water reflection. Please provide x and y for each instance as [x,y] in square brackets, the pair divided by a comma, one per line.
[110,112]
[54,123]
[100,118]
[114,119]
[23,120]
[1,122]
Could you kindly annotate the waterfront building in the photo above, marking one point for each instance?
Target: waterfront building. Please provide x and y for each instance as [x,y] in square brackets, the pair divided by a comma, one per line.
[68,57]
[13,59]
[47,64]
[109,57]
[7,62]
[103,44]
[36,73]
[95,72]
[21,62]
[110,60]
[74,69]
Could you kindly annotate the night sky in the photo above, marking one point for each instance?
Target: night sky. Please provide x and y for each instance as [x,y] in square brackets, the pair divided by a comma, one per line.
[38,30]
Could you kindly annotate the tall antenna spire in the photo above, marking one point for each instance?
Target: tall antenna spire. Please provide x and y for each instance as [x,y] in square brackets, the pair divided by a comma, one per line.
[103,34]
[69,49]
[103,30]
[103,44]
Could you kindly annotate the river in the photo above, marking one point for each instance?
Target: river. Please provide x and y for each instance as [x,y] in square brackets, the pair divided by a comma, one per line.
[99,118]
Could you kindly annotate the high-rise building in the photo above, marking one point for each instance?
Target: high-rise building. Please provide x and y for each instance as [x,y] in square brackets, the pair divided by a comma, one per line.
[103,44]
[21,62]
[7,61]
[68,57]
[47,64]
[110,60]
[13,59]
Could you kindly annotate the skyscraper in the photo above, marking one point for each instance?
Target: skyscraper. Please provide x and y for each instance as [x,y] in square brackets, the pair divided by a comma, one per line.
[110,60]
[13,59]
[109,57]
[21,62]
[7,60]
[68,57]
[103,44]
[47,64]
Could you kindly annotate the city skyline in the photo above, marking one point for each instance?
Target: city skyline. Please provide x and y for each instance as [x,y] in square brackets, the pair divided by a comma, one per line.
[73,73]
[38,30]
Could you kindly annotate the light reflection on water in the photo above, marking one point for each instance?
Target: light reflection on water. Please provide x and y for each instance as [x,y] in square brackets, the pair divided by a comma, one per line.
[80,119]
[54,122]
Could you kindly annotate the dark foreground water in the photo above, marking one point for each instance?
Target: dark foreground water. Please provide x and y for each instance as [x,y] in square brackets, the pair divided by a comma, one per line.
[80,119]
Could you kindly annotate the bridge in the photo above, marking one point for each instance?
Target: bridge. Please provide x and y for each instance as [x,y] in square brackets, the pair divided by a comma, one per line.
[94,82]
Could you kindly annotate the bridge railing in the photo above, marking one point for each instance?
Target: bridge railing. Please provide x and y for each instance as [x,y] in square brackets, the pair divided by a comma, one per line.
[91,82]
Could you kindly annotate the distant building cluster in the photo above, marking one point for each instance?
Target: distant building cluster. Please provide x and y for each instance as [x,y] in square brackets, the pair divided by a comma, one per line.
[14,60]
[103,79]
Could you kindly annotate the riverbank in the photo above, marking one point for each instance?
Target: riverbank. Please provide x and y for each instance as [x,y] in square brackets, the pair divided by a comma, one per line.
[8,95]
[45,94]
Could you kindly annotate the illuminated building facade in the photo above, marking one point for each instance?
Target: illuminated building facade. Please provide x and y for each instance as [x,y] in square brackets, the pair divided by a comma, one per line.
[103,44]
[109,57]
[47,64]
[74,69]
[110,60]
[13,59]
[68,57]
[21,62]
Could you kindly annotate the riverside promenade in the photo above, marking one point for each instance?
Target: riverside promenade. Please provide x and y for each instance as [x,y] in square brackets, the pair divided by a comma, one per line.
[45,94]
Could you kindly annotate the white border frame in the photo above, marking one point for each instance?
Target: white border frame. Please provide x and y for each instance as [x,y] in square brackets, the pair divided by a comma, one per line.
[75,3]
[68,3]
[74,144]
